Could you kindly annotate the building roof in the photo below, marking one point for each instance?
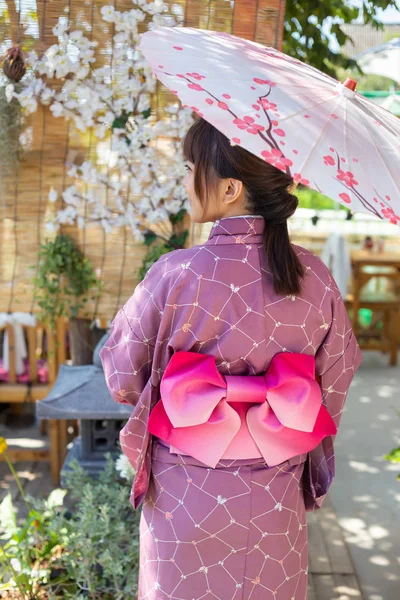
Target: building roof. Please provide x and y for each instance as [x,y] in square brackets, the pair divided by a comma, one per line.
[365,37]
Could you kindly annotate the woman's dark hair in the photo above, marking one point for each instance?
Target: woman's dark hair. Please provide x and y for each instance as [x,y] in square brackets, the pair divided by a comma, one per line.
[267,191]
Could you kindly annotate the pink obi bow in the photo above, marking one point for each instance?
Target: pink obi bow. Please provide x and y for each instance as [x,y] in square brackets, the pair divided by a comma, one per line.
[207,415]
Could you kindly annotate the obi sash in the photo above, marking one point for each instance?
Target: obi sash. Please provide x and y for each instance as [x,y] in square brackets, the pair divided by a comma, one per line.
[211,417]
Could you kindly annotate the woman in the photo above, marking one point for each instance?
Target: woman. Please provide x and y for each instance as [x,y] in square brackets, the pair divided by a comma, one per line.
[225,523]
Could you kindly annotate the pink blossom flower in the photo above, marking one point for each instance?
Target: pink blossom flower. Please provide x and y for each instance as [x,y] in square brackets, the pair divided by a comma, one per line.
[196,76]
[299,179]
[195,86]
[268,105]
[347,177]
[388,213]
[223,105]
[345,197]
[328,160]
[280,132]
[264,81]
[276,158]
[248,124]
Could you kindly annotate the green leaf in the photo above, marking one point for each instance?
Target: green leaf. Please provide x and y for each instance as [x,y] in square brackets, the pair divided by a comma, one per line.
[149,238]
[178,240]
[178,216]
[393,456]
[121,121]
[146,113]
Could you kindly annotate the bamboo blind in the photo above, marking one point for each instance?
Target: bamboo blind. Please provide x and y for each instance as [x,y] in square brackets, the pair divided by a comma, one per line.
[24,201]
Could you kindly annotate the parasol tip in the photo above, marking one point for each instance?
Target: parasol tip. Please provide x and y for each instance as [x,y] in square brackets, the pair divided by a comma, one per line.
[350,84]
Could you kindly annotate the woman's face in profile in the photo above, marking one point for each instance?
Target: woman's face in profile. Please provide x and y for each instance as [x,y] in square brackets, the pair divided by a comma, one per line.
[218,204]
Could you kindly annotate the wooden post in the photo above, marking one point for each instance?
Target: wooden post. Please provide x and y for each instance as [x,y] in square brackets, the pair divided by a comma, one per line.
[55,458]
[395,335]
[32,353]
[60,341]
[12,375]
[51,351]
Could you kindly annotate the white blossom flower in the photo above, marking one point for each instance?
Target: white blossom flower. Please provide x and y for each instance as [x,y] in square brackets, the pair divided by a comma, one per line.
[53,195]
[52,226]
[61,27]
[31,58]
[124,467]
[70,195]
[9,91]
[139,170]
[108,13]
[57,109]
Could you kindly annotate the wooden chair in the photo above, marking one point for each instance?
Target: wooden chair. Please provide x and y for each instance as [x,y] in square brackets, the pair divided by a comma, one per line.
[14,392]
[375,282]
[385,308]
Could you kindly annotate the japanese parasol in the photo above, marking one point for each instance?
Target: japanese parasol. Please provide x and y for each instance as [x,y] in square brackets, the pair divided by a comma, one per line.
[323,133]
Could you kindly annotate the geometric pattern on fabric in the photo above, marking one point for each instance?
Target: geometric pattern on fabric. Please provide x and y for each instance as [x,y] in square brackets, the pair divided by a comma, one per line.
[218,299]
[237,532]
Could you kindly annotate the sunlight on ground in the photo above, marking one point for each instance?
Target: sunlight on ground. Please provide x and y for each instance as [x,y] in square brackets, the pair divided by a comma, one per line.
[26,442]
[362,467]
[358,533]
[346,593]
[365,399]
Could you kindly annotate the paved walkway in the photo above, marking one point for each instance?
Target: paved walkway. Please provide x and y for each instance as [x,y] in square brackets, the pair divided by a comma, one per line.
[366,493]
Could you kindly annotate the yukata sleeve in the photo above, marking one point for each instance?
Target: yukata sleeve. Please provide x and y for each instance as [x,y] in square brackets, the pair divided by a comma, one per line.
[127,356]
[337,360]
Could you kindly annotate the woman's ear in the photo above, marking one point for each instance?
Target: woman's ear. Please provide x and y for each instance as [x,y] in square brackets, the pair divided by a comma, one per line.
[233,190]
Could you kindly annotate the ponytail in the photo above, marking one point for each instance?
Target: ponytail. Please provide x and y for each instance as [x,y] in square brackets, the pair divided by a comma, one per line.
[284,264]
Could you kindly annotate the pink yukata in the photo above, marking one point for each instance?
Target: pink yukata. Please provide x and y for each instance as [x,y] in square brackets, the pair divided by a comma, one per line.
[237,531]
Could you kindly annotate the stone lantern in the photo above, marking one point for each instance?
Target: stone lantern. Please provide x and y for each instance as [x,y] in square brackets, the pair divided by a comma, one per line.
[80,393]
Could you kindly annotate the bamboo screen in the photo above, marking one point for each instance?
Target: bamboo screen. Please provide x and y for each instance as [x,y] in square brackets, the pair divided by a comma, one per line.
[51,143]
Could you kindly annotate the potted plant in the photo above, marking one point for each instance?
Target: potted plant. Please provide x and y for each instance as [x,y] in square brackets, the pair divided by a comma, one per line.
[64,282]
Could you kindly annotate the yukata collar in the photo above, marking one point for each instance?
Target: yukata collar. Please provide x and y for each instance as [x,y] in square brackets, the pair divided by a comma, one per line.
[243,229]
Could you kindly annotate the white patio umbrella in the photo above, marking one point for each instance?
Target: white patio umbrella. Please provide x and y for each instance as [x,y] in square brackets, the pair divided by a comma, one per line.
[321,132]
[382,60]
